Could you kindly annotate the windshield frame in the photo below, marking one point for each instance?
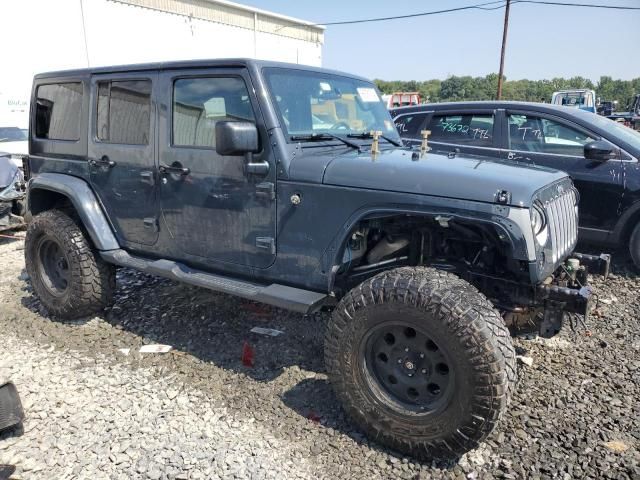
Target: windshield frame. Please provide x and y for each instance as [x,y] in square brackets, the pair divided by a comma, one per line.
[357,81]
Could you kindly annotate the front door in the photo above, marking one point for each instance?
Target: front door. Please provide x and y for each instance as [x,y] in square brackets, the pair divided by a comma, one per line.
[121,153]
[552,142]
[211,207]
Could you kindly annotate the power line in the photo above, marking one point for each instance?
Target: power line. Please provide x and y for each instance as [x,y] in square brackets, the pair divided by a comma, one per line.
[589,5]
[479,6]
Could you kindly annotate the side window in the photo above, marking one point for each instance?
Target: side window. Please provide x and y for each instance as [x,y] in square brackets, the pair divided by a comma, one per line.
[58,111]
[535,134]
[410,125]
[124,112]
[475,130]
[198,103]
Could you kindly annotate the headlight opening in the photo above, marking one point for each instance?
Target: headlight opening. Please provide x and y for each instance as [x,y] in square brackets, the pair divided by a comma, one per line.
[539,223]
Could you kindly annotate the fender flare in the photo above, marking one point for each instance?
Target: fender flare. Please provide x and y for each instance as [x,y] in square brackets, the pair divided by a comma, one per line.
[84,201]
[507,226]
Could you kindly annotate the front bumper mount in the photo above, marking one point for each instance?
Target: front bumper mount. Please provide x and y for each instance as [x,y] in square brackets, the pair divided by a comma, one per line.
[577,298]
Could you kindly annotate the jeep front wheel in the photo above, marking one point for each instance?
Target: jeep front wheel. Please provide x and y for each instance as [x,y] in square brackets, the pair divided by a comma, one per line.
[421,361]
[67,275]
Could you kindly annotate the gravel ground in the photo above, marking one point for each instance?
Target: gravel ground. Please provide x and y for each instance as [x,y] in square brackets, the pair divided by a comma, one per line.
[197,412]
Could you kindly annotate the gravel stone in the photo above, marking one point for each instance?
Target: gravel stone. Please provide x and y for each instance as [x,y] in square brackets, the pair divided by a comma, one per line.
[198,413]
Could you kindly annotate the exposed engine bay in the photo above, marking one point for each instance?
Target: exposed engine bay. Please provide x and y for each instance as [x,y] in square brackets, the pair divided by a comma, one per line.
[456,246]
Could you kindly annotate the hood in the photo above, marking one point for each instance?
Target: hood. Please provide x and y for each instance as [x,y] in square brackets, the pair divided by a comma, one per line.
[463,177]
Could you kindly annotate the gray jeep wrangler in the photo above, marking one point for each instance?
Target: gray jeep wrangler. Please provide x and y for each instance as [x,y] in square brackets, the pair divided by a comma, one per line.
[290,186]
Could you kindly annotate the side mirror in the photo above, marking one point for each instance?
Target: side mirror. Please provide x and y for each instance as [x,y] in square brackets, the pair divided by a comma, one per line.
[599,151]
[236,138]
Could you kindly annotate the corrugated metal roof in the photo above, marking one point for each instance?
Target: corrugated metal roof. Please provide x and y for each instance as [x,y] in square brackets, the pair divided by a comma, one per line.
[237,15]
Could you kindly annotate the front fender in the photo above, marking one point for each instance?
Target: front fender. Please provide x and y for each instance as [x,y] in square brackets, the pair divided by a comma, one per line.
[506,223]
[83,200]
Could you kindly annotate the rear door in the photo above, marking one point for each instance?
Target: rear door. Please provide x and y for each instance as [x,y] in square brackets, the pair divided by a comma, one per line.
[474,132]
[121,151]
[541,139]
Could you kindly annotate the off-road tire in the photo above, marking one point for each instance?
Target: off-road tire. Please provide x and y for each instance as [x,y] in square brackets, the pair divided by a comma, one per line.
[91,281]
[462,322]
[634,246]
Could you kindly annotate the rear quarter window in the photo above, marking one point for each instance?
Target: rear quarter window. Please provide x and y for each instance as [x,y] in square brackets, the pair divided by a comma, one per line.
[410,125]
[58,111]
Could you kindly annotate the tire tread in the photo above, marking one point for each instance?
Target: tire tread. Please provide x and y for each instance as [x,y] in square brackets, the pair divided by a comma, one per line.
[469,316]
[92,279]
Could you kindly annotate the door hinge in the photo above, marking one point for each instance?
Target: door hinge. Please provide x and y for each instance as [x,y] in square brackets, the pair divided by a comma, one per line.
[151,222]
[266,243]
[267,189]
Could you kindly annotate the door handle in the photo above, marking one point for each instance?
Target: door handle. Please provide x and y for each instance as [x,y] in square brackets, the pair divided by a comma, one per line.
[103,161]
[256,168]
[175,169]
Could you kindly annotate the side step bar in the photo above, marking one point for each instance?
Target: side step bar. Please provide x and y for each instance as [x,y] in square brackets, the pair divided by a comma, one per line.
[282,296]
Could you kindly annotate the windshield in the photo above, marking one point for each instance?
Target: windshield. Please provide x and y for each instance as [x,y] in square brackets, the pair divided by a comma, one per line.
[311,103]
[616,129]
[13,134]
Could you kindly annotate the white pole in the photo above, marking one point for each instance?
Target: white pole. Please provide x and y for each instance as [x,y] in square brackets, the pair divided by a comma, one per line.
[255,34]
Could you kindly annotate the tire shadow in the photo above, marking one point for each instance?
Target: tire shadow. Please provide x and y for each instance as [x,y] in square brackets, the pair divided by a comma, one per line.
[314,399]
[210,326]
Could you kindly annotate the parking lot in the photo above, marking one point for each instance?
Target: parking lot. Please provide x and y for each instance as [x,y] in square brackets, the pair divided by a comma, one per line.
[94,411]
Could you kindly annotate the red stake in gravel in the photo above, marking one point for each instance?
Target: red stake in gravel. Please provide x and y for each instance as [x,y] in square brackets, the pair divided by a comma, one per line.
[247,355]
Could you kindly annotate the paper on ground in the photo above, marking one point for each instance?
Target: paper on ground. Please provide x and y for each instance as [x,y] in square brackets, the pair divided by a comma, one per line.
[155,348]
[266,331]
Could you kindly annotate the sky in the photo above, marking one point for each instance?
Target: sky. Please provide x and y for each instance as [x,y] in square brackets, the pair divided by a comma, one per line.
[543,42]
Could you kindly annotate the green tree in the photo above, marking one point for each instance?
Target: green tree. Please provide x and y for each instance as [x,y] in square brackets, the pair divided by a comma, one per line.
[457,88]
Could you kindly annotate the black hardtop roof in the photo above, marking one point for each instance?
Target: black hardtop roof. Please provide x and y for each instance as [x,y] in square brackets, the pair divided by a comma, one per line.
[189,64]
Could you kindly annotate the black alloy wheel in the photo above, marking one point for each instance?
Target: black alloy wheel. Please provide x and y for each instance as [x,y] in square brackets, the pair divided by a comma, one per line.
[53,266]
[407,366]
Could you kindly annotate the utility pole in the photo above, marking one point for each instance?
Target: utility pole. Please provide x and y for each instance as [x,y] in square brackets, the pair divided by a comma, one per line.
[504,44]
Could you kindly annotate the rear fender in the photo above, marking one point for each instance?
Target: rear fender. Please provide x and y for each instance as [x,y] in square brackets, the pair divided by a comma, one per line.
[83,200]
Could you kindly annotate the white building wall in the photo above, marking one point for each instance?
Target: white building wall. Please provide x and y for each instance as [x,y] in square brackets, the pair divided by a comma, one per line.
[44,35]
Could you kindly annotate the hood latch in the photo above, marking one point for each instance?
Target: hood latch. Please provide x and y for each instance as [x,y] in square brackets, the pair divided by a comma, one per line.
[503,197]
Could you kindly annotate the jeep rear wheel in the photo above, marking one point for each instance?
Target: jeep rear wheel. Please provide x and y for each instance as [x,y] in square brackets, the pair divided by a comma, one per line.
[67,275]
[421,361]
